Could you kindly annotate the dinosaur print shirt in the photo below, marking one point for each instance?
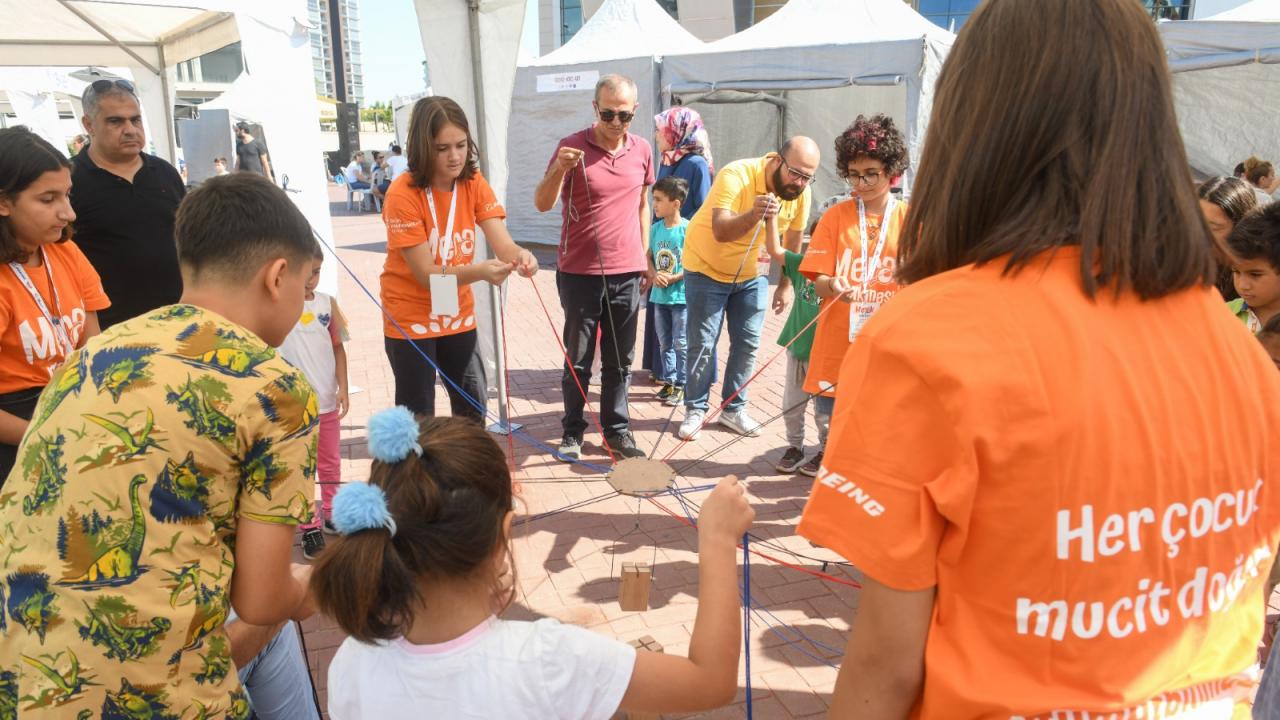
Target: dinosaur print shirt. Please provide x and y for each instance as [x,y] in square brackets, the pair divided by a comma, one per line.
[118,523]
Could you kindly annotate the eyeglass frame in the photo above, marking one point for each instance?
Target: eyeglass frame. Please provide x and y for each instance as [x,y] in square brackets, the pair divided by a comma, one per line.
[854,179]
[615,113]
[796,174]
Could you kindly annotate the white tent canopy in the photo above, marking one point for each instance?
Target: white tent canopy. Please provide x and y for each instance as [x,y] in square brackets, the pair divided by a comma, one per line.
[149,37]
[553,93]
[809,69]
[1226,83]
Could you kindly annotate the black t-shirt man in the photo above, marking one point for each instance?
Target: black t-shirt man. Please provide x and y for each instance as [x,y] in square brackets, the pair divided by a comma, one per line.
[125,229]
[249,155]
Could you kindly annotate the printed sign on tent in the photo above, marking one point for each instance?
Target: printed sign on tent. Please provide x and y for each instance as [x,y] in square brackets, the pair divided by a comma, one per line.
[564,82]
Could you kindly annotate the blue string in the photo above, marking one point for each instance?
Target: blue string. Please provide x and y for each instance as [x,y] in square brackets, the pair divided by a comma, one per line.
[524,437]
[794,643]
[758,608]
[746,615]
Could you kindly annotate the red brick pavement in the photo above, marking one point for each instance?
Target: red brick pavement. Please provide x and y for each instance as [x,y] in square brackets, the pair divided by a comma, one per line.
[567,564]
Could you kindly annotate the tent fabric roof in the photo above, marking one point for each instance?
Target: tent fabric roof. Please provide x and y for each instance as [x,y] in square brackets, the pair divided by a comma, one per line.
[623,29]
[1255,11]
[804,23]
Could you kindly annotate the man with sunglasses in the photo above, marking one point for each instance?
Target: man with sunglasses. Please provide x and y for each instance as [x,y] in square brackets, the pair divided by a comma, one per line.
[125,202]
[601,175]
[724,285]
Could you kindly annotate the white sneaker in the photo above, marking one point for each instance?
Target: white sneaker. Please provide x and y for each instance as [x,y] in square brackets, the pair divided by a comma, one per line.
[692,424]
[740,422]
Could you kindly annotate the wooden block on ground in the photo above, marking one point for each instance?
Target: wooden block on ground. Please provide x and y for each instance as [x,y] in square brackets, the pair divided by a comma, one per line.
[643,642]
[634,595]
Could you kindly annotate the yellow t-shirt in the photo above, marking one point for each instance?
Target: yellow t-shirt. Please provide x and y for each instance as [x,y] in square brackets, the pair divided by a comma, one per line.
[147,448]
[735,189]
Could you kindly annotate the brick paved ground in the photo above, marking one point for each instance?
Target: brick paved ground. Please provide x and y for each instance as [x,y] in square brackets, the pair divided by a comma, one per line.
[568,563]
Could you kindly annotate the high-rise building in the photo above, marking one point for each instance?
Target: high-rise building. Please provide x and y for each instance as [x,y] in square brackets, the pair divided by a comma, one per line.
[329,66]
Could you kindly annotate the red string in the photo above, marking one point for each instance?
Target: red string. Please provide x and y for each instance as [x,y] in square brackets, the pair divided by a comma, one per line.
[770,558]
[569,364]
[711,415]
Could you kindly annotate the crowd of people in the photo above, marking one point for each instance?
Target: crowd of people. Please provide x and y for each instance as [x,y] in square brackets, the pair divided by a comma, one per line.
[1045,438]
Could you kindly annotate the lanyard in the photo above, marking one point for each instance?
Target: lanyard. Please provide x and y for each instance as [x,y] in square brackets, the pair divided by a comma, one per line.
[446,240]
[54,319]
[870,270]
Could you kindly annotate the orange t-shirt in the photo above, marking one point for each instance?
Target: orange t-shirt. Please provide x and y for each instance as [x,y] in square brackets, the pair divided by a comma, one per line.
[29,348]
[409,223]
[836,249]
[1084,482]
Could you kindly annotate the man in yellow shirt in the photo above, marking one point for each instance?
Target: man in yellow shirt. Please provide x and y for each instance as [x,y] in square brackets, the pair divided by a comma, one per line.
[723,283]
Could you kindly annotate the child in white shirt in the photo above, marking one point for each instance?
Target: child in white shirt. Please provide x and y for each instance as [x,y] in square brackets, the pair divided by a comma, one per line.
[315,346]
[416,580]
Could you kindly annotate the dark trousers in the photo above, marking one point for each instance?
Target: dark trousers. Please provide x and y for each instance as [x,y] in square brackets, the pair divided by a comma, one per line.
[586,311]
[416,379]
[23,404]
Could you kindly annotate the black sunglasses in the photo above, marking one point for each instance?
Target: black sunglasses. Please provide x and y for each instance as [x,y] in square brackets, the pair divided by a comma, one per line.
[622,115]
[101,86]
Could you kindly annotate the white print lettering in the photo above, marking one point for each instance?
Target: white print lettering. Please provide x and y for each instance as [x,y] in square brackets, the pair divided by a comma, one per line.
[40,342]
[849,489]
[1122,532]
[853,269]
[1210,700]
[1152,605]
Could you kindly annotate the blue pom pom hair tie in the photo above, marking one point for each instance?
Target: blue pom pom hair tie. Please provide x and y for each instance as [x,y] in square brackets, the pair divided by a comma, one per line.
[361,506]
[393,434]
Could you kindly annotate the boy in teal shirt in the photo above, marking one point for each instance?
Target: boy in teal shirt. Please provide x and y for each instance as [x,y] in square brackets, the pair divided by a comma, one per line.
[797,337]
[666,252]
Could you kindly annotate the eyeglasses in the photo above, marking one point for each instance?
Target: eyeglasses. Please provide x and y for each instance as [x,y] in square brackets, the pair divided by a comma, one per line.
[869,180]
[796,174]
[623,116]
[105,84]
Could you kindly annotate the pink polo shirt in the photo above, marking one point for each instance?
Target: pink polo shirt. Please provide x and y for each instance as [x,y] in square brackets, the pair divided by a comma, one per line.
[614,184]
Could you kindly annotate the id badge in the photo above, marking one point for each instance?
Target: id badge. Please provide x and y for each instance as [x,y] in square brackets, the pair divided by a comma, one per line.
[859,314]
[444,295]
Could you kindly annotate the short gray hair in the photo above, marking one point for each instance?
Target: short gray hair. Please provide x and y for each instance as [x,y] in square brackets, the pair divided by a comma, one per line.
[89,99]
[614,82]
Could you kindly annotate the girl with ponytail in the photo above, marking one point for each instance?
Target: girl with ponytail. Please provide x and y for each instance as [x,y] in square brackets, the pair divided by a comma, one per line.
[415,579]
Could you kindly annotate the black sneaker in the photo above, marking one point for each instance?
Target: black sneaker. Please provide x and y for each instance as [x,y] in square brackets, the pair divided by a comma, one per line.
[570,449]
[791,460]
[327,527]
[665,392]
[624,446]
[811,468]
[677,397]
[312,543]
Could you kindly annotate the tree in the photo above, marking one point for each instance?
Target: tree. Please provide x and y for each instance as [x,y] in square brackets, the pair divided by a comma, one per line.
[379,114]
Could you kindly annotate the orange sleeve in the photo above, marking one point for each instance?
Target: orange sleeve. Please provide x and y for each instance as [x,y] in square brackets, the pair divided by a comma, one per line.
[406,216]
[487,206]
[824,246]
[892,452]
[87,279]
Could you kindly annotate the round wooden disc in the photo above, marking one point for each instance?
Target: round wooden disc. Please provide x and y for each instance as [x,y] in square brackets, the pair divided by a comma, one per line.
[641,476]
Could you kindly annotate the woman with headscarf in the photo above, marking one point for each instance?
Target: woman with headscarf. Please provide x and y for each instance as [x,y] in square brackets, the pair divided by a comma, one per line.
[686,153]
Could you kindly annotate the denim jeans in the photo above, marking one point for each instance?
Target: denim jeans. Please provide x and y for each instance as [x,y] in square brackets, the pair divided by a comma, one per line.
[1266,704]
[277,679]
[740,306]
[673,342]
[415,378]
[586,312]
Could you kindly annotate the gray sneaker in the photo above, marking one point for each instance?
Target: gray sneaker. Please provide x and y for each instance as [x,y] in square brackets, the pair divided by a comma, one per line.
[570,449]
[740,422]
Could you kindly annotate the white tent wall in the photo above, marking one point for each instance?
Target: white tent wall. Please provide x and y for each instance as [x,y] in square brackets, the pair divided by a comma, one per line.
[540,119]
[1226,84]
[446,27]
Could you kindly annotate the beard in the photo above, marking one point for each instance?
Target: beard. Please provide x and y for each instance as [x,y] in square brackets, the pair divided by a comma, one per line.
[783,190]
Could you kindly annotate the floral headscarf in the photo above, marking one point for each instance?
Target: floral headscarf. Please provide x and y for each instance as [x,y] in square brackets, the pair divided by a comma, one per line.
[683,129]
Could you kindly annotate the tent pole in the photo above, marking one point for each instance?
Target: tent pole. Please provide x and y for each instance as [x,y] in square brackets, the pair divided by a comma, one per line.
[504,425]
[170,127]
[101,31]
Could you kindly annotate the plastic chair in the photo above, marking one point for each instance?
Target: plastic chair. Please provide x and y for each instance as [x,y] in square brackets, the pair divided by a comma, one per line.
[341,179]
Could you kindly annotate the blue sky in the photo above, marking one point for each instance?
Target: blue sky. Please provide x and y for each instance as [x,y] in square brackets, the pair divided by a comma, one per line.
[392,47]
